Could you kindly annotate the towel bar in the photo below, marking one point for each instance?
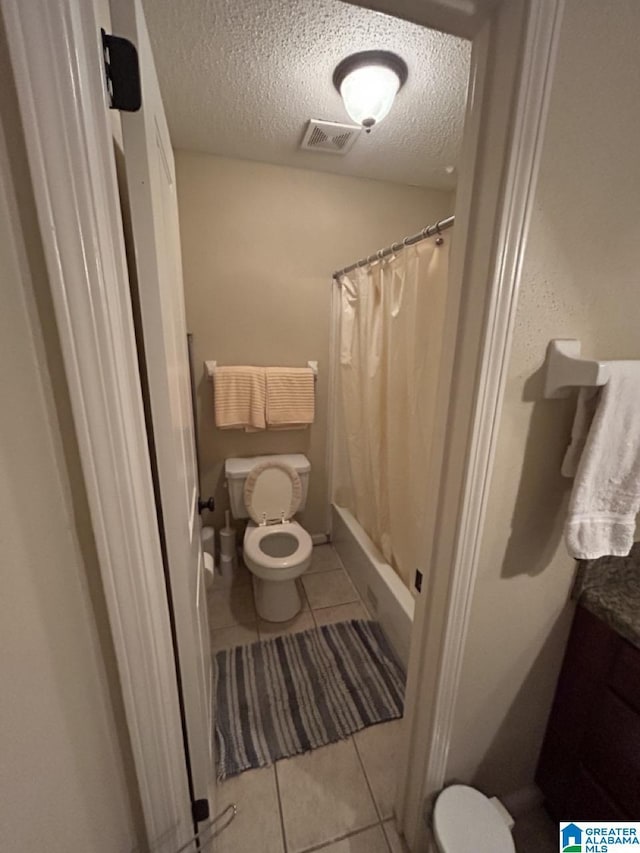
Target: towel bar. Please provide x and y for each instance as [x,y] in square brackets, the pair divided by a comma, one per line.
[210,367]
[566,370]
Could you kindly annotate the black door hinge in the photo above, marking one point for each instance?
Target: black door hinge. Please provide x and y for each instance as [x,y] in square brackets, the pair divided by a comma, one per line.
[200,810]
[122,70]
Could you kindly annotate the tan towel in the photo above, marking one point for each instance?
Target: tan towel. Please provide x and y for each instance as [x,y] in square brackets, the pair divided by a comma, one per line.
[240,397]
[290,397]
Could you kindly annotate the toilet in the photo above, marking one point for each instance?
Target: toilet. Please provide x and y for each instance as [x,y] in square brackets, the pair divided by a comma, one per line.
[269,490]
[465,821]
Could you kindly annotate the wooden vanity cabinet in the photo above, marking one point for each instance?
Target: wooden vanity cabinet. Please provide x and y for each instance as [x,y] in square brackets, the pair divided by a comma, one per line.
[589,766]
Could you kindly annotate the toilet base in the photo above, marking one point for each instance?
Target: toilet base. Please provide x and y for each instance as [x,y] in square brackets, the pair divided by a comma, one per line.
[276,601]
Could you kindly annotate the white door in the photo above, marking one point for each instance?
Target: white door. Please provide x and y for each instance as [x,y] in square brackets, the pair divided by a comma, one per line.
[153,207]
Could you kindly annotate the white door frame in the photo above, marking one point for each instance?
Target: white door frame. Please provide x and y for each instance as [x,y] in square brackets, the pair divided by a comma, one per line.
[64,112]
[56,56]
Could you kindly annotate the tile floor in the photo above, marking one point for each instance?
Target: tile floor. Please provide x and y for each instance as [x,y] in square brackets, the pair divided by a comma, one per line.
[329,799]
[327,594]
[339,798]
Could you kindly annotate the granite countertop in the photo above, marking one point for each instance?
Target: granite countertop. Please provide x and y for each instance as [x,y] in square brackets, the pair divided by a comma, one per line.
[610,588]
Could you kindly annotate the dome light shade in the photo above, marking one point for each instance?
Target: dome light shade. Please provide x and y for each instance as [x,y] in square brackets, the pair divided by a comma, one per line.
[368,93]
[368,83]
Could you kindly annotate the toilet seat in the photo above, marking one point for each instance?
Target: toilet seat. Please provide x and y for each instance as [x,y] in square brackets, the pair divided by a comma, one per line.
[464,820]
[271,567]
[272,492]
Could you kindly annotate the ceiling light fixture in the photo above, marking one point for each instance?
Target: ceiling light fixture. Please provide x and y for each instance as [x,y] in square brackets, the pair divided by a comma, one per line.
[368,83]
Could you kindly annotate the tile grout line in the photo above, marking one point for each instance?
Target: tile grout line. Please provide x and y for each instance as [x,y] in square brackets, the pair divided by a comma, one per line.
[280,811]
[366,778]
[324,844]
[375,802]
[333,606]
[356,600]
[386,837]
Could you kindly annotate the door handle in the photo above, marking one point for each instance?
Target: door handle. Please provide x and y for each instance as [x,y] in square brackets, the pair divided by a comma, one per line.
[209,504]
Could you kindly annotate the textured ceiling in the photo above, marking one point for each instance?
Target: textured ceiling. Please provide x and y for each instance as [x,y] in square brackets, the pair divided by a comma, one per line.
[241,78]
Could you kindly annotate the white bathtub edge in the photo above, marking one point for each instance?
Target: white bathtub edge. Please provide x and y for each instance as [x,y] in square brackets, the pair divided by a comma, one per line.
[382,591]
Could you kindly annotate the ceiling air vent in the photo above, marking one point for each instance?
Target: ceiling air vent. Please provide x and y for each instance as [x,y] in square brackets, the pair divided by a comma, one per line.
[329,137]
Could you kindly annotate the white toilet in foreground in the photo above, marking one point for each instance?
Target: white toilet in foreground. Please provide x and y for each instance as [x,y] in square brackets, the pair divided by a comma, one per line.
[276,549]
[465,821]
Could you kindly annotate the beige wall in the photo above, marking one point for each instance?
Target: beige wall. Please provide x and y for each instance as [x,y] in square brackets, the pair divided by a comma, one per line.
[259,244]
[581,278]
[65,771]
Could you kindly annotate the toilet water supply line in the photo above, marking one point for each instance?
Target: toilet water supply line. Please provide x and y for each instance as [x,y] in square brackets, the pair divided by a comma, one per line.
[206,835]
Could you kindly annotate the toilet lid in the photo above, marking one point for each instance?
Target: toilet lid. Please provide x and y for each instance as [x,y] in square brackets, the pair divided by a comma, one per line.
[272,492]
[464,820]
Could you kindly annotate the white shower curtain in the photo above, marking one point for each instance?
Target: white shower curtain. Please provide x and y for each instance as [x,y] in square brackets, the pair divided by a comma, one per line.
[391,324]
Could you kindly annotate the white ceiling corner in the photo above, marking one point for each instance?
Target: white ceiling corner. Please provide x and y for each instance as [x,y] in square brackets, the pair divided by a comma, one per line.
[241,78]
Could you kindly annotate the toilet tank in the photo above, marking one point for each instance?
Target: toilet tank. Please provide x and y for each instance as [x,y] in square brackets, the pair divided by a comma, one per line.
[237,470]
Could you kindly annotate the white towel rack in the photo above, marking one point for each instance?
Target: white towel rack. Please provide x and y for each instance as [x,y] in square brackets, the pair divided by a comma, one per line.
[566,370]
[210,367]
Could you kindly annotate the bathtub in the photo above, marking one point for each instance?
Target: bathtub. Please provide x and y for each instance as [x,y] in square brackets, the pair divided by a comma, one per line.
[386,597]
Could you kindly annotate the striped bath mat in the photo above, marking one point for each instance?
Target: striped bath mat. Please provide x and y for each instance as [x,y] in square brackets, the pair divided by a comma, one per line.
[294,693]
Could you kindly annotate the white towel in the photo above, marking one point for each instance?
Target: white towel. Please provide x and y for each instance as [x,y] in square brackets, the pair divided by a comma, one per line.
[585,410]
[290,397]
[240,395]
[606,492]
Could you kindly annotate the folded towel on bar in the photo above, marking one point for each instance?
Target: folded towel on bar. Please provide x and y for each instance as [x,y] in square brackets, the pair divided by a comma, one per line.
[606,492]
[290,397]
[240,397]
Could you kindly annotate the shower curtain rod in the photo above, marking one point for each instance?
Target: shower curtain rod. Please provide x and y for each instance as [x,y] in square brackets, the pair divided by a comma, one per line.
[429,231]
